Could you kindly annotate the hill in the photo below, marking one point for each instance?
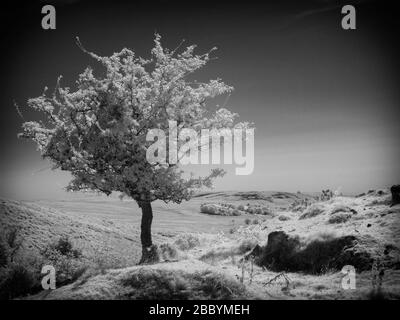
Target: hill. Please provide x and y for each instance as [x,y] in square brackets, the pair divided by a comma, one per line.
[224,262]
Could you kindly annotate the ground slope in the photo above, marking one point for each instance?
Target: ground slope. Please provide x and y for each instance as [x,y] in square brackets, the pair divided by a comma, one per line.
[211,265]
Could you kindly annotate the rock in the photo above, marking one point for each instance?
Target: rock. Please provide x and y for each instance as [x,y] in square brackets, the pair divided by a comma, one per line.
[395,190]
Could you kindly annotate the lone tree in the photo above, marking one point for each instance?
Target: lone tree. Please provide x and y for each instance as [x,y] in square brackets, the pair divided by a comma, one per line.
[98,132]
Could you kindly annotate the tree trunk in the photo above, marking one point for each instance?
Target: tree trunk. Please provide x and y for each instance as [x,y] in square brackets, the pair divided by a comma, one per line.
[149,251]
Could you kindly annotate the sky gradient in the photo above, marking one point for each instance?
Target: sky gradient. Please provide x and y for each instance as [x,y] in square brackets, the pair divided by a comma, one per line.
[325,101]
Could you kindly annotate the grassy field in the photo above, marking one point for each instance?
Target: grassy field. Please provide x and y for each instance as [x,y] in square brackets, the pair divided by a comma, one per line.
[195,246]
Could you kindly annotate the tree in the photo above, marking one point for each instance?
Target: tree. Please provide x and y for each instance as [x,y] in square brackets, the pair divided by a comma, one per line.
[98,132]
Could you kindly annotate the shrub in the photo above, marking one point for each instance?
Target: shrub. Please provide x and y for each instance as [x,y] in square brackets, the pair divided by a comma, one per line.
[339,218]
[67,267]
[19,274]
[9,246]
[186,241]
[17,281]
[267,211]
[167,251]
[283,218]
[65,259]
[3,254]
[236,212]
[377,294]
[65,247]
[340,208]
[247,221]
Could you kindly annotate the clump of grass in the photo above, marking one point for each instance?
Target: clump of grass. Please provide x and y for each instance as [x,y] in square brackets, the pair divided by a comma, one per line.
[212,285]
[340,208]
[312,211]
[152,284]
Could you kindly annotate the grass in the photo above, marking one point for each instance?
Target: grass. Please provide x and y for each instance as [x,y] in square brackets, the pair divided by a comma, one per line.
[312,211]
[153,284]
[107,234]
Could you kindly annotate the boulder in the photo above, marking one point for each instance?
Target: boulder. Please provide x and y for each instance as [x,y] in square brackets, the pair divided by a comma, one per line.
[395,190]
[288,253]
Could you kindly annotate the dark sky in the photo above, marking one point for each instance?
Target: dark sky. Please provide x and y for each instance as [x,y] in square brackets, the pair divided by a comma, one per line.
[325,101]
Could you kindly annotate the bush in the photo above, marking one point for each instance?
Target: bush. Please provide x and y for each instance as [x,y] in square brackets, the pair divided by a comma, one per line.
[267,211]
[167,252]
[67,267]
[65,259]
[339,218]
[9,246]
[65,247]
[247,221]
[187,241]
[3,254]
[377,294]
[340,208]
[17,281]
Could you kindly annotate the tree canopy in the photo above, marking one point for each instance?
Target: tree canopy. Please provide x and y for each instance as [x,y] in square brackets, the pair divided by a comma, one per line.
[98,131]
